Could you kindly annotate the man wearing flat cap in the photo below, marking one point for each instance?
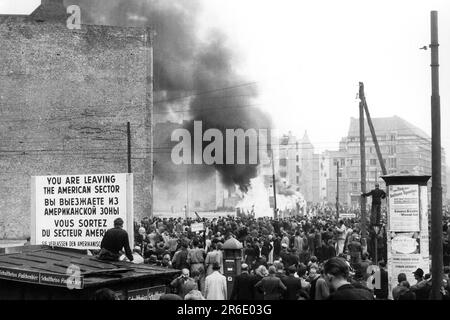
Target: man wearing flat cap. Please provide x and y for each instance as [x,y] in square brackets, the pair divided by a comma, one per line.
[423,287]
[244,285]
[114,240]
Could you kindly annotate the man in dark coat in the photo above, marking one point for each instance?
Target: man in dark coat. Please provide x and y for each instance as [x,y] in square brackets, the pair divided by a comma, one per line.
[336,271]
[284,254]
[293,284]
[271,286]
[377,194]
[114,240]
[244,284]
[383,292]
[179,260]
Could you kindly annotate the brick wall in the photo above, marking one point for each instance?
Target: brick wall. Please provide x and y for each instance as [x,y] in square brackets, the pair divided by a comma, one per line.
[65,98]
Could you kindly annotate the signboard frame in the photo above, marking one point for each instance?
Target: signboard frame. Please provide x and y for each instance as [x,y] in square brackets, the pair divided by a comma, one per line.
[128,217]
[39,277]
[404,224]
[197,227]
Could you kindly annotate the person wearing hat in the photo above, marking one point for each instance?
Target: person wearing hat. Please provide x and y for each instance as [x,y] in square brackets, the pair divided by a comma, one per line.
[377,194]
[423,287]
[243,287]
[114,240]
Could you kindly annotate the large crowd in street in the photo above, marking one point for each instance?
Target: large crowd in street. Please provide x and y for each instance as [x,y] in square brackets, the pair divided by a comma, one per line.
[300,257]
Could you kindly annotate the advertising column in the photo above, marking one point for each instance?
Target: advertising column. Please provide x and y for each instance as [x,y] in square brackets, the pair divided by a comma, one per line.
[407,227]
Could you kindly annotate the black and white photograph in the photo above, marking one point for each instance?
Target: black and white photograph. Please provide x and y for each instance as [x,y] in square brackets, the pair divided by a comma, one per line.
[247,153]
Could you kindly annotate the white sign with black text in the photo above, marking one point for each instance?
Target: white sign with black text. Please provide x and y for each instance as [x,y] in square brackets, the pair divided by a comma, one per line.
[75,211]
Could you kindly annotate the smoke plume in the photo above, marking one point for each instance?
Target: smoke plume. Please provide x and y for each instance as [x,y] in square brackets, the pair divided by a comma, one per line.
[195,78]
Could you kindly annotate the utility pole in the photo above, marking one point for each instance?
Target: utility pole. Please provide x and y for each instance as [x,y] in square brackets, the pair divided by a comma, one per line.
[129,146]
[337,190]
[274,187]
[436,186]
[362,96]
[362,149]
[149,121]
[376,175]
[186,211]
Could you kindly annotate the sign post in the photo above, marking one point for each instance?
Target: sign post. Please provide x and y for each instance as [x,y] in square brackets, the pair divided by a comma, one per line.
[407,226]
[75,211]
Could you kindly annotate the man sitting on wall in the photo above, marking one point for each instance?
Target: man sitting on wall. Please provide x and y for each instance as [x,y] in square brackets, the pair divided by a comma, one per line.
[114,240]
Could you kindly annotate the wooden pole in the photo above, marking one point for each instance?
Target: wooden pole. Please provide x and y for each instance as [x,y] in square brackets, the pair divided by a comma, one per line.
[436,187]
[274,188]
[149,121]
[129,146]
[362,96]
[337,190]
[362,149]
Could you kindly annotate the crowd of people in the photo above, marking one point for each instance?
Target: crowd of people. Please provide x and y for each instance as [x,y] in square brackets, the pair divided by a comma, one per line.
[294,258]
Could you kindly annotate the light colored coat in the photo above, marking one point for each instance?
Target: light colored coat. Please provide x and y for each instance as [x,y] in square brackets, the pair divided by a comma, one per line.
[216,286]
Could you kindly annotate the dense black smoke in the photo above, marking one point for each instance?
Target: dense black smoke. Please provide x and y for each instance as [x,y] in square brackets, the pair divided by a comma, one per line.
[195,79]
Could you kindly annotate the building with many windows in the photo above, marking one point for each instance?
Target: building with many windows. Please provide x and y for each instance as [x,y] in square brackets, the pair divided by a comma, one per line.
[404,147]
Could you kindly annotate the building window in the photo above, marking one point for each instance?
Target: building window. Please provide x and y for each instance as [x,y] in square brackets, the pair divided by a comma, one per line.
[393,137]
[298,158]
[283,174]
[373,162]
[283,162]
[197,204]
[298,179]
[392,163]
[355,186]
[298,169]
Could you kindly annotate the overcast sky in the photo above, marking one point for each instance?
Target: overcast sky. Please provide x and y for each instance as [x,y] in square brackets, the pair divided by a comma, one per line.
[308,57]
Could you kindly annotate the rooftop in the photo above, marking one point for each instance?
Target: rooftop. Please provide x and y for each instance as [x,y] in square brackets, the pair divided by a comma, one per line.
[386,125]
[43,260]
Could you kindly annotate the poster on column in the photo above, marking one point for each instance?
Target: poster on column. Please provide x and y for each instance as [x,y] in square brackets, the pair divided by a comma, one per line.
[75,211]
[424,234]
[404,263]
[404,208]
